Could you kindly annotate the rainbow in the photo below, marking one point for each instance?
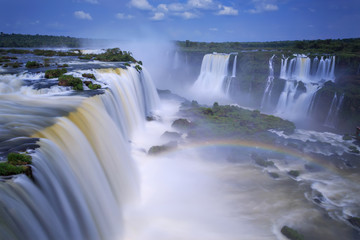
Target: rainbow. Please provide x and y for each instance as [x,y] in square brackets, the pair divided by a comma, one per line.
[256,145]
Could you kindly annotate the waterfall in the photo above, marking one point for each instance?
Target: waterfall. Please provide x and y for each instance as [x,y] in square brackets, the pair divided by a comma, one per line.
[269,83]
[234,67]
[333,112]
[301,68]
[295,106]
[214,74]
[83,171]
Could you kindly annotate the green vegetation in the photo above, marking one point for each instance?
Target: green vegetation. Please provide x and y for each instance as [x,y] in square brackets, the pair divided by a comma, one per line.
[231,121]
[19,159]
[25,40]
[16,164]
[349,46]
[111,55]
[94,86]
[32,64]
[291,233]
[55,73]
[138,68]
[89,75]
[69,80]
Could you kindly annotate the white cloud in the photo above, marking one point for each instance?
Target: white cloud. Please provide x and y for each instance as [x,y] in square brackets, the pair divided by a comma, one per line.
[92,1]
[214,29]
[162,7]
[141,4]
[124,16]
[177,7]
[224,10]
[188,15]
[82,15]
[263,6]
[158,16]
[203,4]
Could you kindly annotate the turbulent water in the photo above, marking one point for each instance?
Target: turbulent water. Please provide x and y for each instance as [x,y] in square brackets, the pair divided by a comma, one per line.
[93,178]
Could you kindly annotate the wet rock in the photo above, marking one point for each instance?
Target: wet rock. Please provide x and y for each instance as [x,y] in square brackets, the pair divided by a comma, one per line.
[291,234]
[182,124]
[355,221]
[154,150]
[294,173]
[171,135]
[261,160]
[274,175]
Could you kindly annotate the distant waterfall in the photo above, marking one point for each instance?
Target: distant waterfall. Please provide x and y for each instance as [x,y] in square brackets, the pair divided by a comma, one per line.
[214,74]
[269,83]
[83,170]
[234,67]
[334,109]
[301,68]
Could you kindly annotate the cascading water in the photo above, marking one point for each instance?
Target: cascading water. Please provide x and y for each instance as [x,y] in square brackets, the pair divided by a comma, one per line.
[333,112]
[302,68]
[234,67]
[295,104]
[83,170]
[214,74]
[269,83]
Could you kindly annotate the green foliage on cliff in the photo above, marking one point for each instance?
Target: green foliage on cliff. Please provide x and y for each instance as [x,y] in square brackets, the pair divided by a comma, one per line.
[232,121]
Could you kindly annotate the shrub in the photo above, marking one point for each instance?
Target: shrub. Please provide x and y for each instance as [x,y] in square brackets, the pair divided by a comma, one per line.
[138,68]
[69,80]
[55,73]
[94,86]
[89,75]
[7,169]
[19,159]
[32,64]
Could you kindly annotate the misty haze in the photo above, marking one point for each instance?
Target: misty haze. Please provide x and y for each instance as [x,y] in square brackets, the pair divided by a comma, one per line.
[180,120]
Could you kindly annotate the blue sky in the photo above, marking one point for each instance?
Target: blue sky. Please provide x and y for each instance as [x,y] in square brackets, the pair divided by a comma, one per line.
[196,20]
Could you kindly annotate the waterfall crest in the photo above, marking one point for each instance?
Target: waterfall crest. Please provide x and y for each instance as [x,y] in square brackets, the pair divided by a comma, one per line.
[302,68]
[83,170]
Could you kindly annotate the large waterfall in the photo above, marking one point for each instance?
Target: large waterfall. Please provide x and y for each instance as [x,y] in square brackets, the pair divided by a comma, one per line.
[83,172]
[302,68]
[303,78]
[214,75]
